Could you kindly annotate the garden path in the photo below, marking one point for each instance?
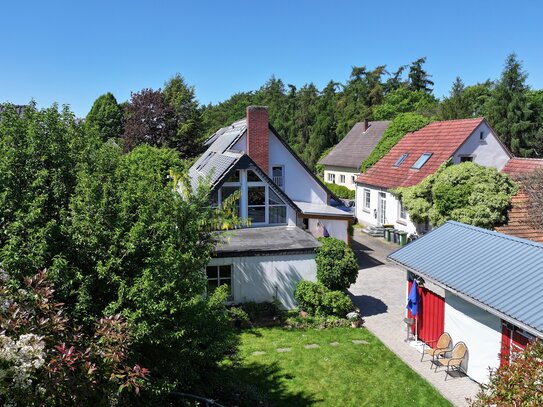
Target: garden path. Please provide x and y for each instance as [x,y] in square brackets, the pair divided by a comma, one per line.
[380,293]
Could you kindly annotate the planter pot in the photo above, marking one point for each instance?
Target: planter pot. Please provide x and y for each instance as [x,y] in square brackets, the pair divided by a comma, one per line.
[355,324]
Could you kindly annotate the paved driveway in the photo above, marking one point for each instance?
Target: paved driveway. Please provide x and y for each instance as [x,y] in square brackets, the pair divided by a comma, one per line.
[380,293]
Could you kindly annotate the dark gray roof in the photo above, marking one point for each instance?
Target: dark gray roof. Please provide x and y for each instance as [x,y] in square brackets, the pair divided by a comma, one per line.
[218,158]
[501,273]
[356,146]
[265,240]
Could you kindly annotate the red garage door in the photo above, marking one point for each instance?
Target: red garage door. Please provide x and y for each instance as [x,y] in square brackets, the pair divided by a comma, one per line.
[430,316]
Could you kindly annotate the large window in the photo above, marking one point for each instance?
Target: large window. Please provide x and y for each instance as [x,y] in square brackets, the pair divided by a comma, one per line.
[277,208]
[367,199]
[342,179]
[256,204]
[219,275]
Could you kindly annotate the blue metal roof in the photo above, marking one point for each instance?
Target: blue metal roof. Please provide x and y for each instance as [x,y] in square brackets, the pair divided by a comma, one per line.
[501,272]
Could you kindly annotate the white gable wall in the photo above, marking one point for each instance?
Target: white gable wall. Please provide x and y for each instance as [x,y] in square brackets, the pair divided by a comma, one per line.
[479,330]
[265,278]
[488,151]
[299,184]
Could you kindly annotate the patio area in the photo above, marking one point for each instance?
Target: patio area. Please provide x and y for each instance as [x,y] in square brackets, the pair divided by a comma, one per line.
[380,293]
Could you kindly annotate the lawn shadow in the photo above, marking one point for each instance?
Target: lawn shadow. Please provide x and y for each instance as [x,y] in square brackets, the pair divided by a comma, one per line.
[369,305]
[363,256]
[252,384]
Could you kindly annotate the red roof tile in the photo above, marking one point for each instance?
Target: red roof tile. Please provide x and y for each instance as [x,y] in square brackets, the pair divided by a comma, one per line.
[516,167]
[518,217]
[441,139]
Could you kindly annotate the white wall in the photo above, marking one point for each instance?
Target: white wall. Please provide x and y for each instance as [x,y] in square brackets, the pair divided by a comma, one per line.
[368,217]
[488,152]
[479,330]
[299,184]
[338,171]
[263,278]
[336,228]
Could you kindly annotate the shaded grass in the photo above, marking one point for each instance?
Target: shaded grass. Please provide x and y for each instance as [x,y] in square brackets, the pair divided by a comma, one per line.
[343,375]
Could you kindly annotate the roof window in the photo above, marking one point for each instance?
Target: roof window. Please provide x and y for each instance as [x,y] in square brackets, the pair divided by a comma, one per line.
[421,161]
[401,160]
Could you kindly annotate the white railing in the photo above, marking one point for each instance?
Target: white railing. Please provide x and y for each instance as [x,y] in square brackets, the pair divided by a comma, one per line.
[278,181]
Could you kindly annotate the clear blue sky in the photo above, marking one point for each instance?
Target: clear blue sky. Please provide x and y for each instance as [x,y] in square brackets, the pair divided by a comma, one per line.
[72,51]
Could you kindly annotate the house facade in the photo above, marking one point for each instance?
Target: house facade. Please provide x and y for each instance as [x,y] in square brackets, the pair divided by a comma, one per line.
[416,156]
[476,288]
[284,204]
[342,163]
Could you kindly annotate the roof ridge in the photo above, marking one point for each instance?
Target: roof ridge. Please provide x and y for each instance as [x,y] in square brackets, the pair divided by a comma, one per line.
[495,233]
[457,120]
[526,158]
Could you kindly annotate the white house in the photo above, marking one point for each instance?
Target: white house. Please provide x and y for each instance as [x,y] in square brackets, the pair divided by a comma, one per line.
[285,202]
[418,155]
[480,286]
[342,163]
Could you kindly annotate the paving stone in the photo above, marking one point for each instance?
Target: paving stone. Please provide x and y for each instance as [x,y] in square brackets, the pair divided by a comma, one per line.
[360,342]
[258,353]
[312,346]
[282,350]
[334,343]
[380,293]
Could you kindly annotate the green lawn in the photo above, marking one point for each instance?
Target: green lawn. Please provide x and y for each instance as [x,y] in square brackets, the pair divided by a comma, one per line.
[344,375]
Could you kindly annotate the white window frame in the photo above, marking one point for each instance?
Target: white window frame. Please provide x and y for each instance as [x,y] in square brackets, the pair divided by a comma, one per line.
[366,192]
[402,213]
[342,179]
[282,177]
[331,178]
[230,297]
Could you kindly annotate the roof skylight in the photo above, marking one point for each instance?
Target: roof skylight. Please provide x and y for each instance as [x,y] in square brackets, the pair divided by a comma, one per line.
[400,160]
[421,161]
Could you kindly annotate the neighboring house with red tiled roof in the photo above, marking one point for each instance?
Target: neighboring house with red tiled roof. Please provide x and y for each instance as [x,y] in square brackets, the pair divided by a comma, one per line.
[518,217]
[418,155]
[342,163]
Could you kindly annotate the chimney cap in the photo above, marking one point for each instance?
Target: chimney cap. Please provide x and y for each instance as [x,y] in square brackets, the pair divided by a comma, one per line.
[257,108]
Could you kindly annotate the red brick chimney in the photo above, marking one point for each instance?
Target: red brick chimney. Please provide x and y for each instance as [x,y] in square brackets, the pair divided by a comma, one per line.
[257,136]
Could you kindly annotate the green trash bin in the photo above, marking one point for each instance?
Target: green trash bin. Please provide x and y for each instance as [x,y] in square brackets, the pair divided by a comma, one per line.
[387,235]
[403,238]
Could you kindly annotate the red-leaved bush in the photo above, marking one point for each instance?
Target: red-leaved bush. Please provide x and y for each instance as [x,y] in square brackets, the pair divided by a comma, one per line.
[518,383]
[46,359]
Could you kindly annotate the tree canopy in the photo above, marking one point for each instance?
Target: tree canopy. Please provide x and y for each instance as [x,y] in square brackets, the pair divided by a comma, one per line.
[465,192]
[105,117]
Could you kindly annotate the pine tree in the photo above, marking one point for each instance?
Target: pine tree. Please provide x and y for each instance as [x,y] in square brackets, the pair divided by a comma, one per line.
[418,77]
[455,106]
[508,110]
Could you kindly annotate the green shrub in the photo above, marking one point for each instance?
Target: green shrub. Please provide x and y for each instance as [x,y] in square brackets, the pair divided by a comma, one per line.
[259,310]
[337,268]
[340,191]
[466,192]
[337,303]
[318,300]
[295,321]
